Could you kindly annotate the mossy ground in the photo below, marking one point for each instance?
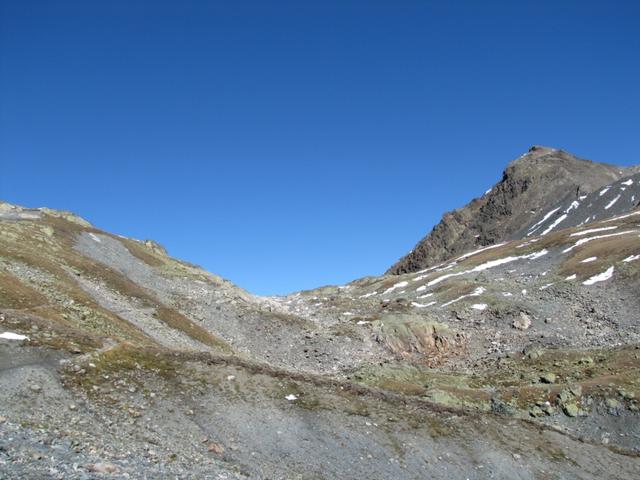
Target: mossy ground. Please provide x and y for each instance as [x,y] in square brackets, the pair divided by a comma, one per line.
[518,381]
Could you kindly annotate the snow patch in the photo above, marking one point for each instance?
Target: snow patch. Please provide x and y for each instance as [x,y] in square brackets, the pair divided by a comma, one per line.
[479,306]
[604,190]
[13,336]
[396,286]
[490,264]
[601,277]
[592,230]
[612,202]
[427,295]
[544,219]
[589,260]
[367,295]
[573,205]
[557,221]
[476,293]
[571,277]
[582,241]
[628,183]
[94,237]
[422,305]
[475,252]
[621,217]
[631,258]
[291,397]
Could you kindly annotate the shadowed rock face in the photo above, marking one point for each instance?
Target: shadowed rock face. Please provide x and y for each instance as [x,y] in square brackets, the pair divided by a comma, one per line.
[530,186]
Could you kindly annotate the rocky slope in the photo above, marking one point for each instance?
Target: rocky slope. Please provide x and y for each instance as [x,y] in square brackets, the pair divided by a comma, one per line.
[516,360]
[531,185]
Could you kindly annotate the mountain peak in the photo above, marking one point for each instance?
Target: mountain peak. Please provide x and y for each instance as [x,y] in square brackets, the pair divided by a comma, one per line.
[531,184]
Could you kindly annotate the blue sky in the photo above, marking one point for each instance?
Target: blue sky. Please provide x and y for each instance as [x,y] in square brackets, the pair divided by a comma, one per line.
[287,145]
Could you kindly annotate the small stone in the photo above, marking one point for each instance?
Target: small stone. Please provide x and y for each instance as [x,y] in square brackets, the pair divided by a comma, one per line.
[613,405]
[571,410]
[536,412]
[523,322]
[548,377]
[534,354]
[34,387]
[102,468]
[72,407]
[215,448]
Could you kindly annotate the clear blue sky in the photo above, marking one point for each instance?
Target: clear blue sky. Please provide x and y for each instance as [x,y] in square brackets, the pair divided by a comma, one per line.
[287,145]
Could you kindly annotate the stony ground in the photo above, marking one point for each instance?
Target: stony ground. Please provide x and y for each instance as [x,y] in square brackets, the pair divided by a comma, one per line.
[515,361]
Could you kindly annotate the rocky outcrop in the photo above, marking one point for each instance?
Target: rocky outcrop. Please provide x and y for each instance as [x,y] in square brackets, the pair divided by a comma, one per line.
[530,185]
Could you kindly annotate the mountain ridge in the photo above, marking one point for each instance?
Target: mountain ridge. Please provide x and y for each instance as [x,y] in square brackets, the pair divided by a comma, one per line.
[110,350]
[535,181]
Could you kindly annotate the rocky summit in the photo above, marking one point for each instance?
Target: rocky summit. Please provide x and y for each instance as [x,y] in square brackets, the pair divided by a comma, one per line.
[531,185]
[505,345]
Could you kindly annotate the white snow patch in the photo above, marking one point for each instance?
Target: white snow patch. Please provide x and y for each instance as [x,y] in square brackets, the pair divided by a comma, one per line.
[573,205]
[94,237]
[421,289]
[507,294]
[479,306]
[367,295]
[489,264]
[427,295]
[631,258]
[589,260]
[477,292]
[422,305]
[362,322]
[526,244]
[604,190]
[524,292]
[628,183]
[488,191]
[571,277]
[348,314]
[544,287]
[592,230]
[544,219]
[291,397]
[13,336]
[601,277]
[396,286]
[621,217]
[612,202]
[557,221]
[582,241]
[475,252]
[582,197]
